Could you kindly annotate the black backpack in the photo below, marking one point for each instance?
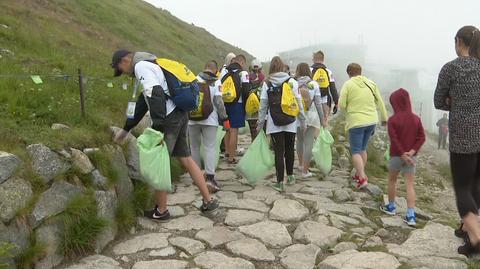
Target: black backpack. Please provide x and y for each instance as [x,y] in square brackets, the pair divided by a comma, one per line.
[275,104]
[205,106]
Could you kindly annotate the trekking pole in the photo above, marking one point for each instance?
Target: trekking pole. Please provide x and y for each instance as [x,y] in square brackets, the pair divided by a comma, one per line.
[82,92]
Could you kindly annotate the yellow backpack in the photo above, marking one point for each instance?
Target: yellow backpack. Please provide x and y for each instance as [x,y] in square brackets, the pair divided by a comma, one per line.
[230,87]
[181,72]
[253,104]
[321,76]
[289,101]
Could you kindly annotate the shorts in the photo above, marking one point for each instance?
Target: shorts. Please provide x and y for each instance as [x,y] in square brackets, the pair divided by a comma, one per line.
[174,127]
[359,138]
[324,99]
[236,115]
[397,164]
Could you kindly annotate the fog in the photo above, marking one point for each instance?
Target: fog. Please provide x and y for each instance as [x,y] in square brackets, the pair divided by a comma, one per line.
[395,35]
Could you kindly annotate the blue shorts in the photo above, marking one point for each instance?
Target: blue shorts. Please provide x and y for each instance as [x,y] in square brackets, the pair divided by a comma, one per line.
[359,138]
[236,115]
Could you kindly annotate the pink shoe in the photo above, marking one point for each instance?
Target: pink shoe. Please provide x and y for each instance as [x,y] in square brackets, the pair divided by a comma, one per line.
[362,183]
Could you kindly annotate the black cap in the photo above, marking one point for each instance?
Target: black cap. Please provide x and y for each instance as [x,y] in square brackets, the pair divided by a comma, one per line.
[116,58]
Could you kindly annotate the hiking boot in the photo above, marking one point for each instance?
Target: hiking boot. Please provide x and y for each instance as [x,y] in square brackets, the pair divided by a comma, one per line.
[278,186]
[460,233]
[362,183]
[155,214]
[388,209]
[410,220]
[212,184]
[210,206]
[468,249]
[291,180]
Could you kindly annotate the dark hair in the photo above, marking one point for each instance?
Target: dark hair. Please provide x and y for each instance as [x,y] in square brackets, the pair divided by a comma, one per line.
[470,37]
[241,57]
[276,65]
[354,69]
[303,70]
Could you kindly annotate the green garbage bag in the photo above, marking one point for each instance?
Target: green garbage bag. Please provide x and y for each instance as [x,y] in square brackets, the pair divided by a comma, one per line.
[322,151]
[387,154]
[220,134]
[154,160]
[257,161]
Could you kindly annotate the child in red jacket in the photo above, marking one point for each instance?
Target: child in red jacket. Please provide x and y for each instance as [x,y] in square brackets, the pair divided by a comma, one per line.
[406,138]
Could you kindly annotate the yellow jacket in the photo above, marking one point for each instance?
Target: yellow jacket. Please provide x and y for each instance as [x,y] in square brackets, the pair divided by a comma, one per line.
[359,99]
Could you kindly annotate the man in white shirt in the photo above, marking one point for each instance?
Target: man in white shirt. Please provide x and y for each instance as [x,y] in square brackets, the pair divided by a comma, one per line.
[166,118]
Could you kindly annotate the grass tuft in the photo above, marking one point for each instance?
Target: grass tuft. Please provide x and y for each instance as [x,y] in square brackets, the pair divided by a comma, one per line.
[81,226]
[32,254]
[125,216]
[102,161]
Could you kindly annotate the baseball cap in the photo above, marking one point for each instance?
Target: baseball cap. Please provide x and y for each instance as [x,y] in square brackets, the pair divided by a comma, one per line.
[116,59]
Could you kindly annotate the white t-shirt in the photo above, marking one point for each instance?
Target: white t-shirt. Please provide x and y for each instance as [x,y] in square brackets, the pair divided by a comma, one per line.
[271,127]
[151,75]
[212,120]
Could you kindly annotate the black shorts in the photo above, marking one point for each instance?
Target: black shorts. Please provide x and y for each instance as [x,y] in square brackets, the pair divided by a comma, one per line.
[174,127]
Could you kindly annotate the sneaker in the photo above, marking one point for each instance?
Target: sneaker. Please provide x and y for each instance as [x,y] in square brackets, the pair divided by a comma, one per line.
[468,249]
[355,178]
[460,233]
[155,214]
[209,207]
[212,184]
[362,183]
[291,180]
[278,187]
[389,210]
[307,175]
[410,220]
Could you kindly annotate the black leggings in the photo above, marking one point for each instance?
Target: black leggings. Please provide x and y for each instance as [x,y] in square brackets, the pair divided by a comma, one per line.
[284,147]
[466,181]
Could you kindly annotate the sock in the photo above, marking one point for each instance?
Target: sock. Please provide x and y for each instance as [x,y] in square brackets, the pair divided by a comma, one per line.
[410,212]
[391,205]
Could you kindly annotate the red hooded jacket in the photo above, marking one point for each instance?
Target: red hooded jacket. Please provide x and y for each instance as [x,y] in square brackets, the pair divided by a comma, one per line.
[404,127]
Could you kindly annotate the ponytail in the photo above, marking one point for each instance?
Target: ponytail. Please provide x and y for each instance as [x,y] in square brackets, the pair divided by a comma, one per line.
[475,44]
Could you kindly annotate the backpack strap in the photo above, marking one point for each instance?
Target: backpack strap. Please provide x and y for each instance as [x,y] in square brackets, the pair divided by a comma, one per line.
[371,90]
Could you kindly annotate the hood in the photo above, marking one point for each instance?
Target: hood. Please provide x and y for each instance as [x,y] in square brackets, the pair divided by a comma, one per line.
[400,100]
[303,81]
[361,80]
[142,56]
[207,76]
[278,78]
[234,66]
[318,65]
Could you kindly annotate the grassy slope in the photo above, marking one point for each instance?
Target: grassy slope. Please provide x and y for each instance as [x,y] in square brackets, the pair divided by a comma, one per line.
[56,37]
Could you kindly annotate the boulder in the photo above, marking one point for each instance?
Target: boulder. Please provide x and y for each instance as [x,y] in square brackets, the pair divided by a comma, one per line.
[46,163]
[123,184]
[8,164]
[99,180]
[272,233]
[107,206]
[299,256]
[352,259]
[81,162]
[344,246]
[17,233]
[218,235]
[188,223]
[14,195]
[132,157]
[142,242]
[215,260]
[250,249]
[164,252]
[53,201]
[286,210]
[317,233]
[96,261]
[49,236]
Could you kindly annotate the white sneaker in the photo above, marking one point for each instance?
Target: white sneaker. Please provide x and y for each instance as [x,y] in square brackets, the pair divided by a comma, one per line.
[307,175]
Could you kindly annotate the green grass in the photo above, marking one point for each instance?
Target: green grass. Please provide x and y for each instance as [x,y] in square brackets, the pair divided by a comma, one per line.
[81,226]
[33,253]
[103,162]
[125,216]
[6,250]
[55,37]
[376,165]
[142,197]
[445,171]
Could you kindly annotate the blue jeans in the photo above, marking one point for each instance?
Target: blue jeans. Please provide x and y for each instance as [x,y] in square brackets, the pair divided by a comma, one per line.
[359,138]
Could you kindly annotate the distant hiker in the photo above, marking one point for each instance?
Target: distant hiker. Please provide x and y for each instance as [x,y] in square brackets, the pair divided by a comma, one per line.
[312,104]
[360,98]
[166,118]
[442,125]
[203,124]
[324,77]
[228,60]
[407,136]
[283,117]
[458,92]
[213,65]
[235,89]
[256,77]
[286,69]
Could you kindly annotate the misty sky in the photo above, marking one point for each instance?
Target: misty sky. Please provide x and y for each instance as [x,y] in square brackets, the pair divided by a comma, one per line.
[408,33]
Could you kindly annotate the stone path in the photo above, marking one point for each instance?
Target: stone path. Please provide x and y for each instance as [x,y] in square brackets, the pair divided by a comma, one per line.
[317,223]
